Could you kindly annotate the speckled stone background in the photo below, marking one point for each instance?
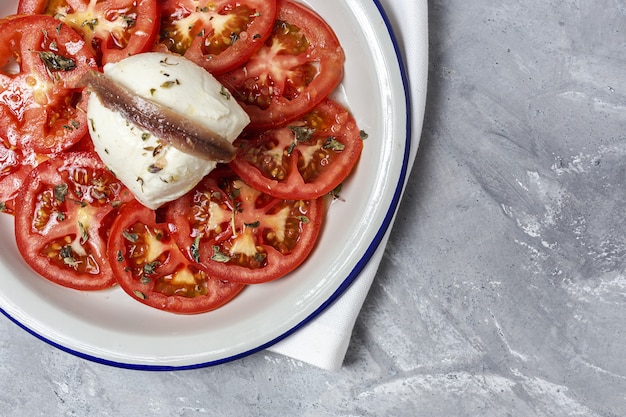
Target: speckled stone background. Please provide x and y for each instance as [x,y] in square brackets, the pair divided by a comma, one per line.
[503,287]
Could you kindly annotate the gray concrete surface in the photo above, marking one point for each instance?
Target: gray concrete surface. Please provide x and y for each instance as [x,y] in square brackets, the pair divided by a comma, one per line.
[503,287]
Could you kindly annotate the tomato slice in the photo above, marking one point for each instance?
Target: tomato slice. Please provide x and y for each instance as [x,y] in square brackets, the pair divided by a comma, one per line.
[15,165]
[62,219]
[217,35]
[303,160]
[113,29]
[41,60]
[297,67]
[83,145]
[237,233]
[151,269]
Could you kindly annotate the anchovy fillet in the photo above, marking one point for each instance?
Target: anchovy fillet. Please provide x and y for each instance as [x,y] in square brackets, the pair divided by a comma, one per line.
[183,133]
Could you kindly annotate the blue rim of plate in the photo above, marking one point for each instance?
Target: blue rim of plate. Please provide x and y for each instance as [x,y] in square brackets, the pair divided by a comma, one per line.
[356,271]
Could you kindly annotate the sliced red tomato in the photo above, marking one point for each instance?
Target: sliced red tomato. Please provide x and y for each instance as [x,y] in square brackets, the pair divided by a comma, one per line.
[217,35]
[296,68]
[306,159]
[15,165]
[62,219]
[243,235]
[41,60]
[151,269]
[113,29]
[83,145]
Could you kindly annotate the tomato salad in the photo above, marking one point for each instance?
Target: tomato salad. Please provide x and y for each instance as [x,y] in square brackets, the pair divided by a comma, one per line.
[251,221]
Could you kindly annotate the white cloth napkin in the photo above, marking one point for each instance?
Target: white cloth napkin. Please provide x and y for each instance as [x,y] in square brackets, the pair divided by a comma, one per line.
[323,342]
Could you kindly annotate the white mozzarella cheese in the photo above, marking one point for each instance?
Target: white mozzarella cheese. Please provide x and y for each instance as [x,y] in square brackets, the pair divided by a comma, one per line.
[154,171]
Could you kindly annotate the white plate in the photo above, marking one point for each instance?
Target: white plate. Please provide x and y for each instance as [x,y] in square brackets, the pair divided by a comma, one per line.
[109,327]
